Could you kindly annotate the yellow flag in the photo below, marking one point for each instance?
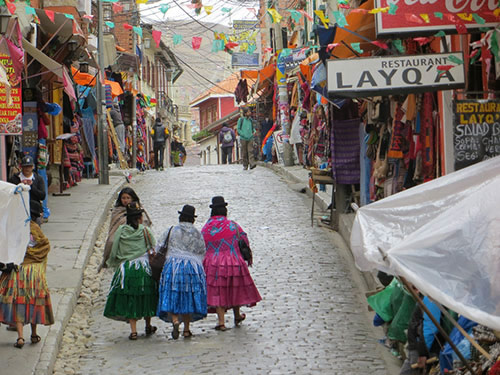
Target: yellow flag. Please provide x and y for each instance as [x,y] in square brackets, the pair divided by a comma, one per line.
[465,16]
[141,1]
[425,17]
[322,17]
[379,10]
[208,9]
[275,15]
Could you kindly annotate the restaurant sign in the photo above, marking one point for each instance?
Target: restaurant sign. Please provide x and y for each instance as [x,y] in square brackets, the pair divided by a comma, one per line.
[10,100]
[421,17]
[387,75]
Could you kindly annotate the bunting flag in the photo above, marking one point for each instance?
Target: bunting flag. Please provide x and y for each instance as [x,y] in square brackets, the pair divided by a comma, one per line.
[413,18]
[322,17]
[30,10]
[70,16]
[137,30]
[399,45]
[438,15]
[465,16]
[268,49]
[440,34]
[379,10]
[380,44]
[425,17]
[305,14]
[126,26]
[480,20]
[225,10]
[208,9]
[11,7]
[177,38]
[251,49]
[231,45]
[340,18]
[422,40]
[275,16]
[455,60]
[51,15]
[331,46]
[295,14]
[117,7]
[164,8]
[156,37]
[392,9]
[141,1]
[461,28]
[196,42]
[285,52]
[357,47]
[110,24]
[218,45]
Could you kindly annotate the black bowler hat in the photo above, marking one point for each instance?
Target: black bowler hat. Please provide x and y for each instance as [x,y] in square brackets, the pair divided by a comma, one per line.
[188,210]
[27,161]
[218,201]
[134,209]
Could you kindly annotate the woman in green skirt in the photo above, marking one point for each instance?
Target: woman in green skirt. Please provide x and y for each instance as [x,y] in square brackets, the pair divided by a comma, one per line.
[133,294]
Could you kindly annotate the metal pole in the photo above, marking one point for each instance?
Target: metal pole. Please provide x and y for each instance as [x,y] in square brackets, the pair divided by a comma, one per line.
[102,132]
[3,159]
[134,113]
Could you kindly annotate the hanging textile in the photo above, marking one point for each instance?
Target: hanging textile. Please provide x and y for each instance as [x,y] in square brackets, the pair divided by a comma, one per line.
[345,148]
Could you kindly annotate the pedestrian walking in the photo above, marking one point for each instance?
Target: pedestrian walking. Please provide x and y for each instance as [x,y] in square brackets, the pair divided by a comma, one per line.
[133,293]
[28,176]
[160,135]
[229,284]
[183,291]
[119,217]
[246,131]
[226,140]
[178,152]
[116,117]
[24,294]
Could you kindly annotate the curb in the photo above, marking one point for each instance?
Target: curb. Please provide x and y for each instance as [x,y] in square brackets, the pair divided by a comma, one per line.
[52,342]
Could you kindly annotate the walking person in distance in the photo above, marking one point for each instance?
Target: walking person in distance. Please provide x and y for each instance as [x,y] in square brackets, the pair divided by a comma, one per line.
[229,284]
[246,131]
[226,140]
[183,291]
[160,135]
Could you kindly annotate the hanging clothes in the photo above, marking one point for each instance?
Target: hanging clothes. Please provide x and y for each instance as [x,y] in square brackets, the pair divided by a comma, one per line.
[241,92]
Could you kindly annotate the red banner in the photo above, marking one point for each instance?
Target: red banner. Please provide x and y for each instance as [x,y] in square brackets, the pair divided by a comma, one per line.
[10,101]
[424,17]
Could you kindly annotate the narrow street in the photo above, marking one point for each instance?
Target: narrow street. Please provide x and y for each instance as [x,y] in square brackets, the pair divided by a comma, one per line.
[311,319]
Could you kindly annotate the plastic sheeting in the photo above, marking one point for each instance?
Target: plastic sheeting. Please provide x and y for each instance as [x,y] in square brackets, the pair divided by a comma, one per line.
[443,236]
[14,223]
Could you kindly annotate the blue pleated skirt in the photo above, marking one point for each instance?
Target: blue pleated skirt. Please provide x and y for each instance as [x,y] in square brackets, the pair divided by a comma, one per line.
[183,290]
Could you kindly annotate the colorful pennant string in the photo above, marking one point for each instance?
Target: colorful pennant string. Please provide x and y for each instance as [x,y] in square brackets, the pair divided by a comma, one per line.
[70,16]
[275,16]
[177,39]
[117,7]
[392,9]
[438,15]
[208,9]
[399,45]
[340,18]
[455,60]
[109,24]
[164,8]
[425,17]
[306,15]
[322,17]
[357,47]
[196,42]
[137,30]
[51,15]
[156,37]
[295,14]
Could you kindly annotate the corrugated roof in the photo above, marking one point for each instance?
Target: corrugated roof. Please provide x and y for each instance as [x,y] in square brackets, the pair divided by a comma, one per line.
[225,87]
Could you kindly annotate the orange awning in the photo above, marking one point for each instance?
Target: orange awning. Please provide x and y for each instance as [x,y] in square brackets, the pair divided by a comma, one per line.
[361,23]
[249,74]
[116,89]
[267,72]
[83,79]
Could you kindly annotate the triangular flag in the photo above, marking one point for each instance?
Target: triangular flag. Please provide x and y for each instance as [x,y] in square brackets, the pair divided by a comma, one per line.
[196,42]
[331,46]
[70,16]
[340,18]
[156,37]
[164,8]
[379,10]
[380,44]
[392,9]
[275,16]
[461,28]
[50,15]
[117,7]
[465,16]
[110,24]
[295,14]
[268,49]
[86,16]
[422,40]
[357,47]
[251,49]
[30,10]
[208,9]
[141,1]
[322,18]
[305,14]
[455,60]
[480,20]
[225,10]
[425,17]
[126,26]
[215,45]
[440,33]
[177,38]
[11,7]
[413,18]
[399,45]
[231,45]
[137,30]
[438,15]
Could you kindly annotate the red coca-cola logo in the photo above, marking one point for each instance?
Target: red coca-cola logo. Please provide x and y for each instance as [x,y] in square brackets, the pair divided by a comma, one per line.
[453,6]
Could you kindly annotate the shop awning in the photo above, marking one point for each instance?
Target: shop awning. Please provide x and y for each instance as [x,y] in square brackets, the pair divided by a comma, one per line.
[63,26]
[362,24]
[85,79]
[249,74]
[110,54]
[126,62]
[116,89]
[43,59]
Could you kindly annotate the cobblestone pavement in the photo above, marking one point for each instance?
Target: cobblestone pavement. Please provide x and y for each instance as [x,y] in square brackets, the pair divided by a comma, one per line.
[311,319]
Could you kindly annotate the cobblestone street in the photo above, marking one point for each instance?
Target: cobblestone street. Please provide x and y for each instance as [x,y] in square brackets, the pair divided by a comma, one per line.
[311,319]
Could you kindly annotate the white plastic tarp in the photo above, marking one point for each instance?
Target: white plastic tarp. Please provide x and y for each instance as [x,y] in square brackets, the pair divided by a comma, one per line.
[14,227]
[443,236]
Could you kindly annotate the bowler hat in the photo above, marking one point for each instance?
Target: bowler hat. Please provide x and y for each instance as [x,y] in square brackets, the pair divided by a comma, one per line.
[218,201]
[27,161]
[187,210]
[134,209]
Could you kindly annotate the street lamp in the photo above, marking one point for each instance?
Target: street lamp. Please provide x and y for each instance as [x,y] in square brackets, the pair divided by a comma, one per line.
[72,45]
[84,67]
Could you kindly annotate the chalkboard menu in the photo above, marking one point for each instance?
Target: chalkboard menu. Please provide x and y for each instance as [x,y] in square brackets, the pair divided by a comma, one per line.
[476,131]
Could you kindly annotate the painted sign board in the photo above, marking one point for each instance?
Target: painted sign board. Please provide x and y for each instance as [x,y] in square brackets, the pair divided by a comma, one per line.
[476,131]
[244,59]
[374,76]
[437,15]
[10,101]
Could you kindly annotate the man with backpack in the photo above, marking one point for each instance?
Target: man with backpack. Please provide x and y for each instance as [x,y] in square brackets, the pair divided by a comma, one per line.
[159,134]
[226,140]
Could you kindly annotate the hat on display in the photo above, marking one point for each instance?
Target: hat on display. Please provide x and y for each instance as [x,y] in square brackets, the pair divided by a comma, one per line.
[27,161]
[134,209]
[218,201]
[188,210]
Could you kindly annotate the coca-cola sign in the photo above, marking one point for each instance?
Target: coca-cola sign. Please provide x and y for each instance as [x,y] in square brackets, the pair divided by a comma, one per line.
[423,17]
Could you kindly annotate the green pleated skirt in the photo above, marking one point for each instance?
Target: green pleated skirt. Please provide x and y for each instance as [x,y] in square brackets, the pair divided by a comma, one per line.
[133,293]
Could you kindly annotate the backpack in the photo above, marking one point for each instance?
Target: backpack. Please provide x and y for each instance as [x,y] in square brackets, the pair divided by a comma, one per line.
[227,137]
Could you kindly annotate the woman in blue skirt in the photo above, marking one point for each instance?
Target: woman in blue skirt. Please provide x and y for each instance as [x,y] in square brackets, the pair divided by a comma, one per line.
[183,292]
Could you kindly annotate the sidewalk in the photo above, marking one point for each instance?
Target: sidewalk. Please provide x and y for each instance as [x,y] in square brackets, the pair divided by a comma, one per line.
[72,231]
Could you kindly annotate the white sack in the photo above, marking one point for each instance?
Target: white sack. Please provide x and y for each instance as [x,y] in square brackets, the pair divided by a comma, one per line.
[14,227]
[443,236]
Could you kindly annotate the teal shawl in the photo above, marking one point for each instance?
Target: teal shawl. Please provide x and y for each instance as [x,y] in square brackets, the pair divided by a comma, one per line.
[129,244]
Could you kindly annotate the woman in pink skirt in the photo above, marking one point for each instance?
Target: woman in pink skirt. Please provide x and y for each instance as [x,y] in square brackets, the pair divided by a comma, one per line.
[229,284]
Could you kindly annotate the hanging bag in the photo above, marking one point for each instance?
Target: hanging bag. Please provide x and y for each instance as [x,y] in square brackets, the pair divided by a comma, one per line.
[156,259]
[245,250]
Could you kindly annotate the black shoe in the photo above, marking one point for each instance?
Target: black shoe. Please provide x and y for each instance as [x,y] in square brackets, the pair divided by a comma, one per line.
[245,168]
[253,166]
